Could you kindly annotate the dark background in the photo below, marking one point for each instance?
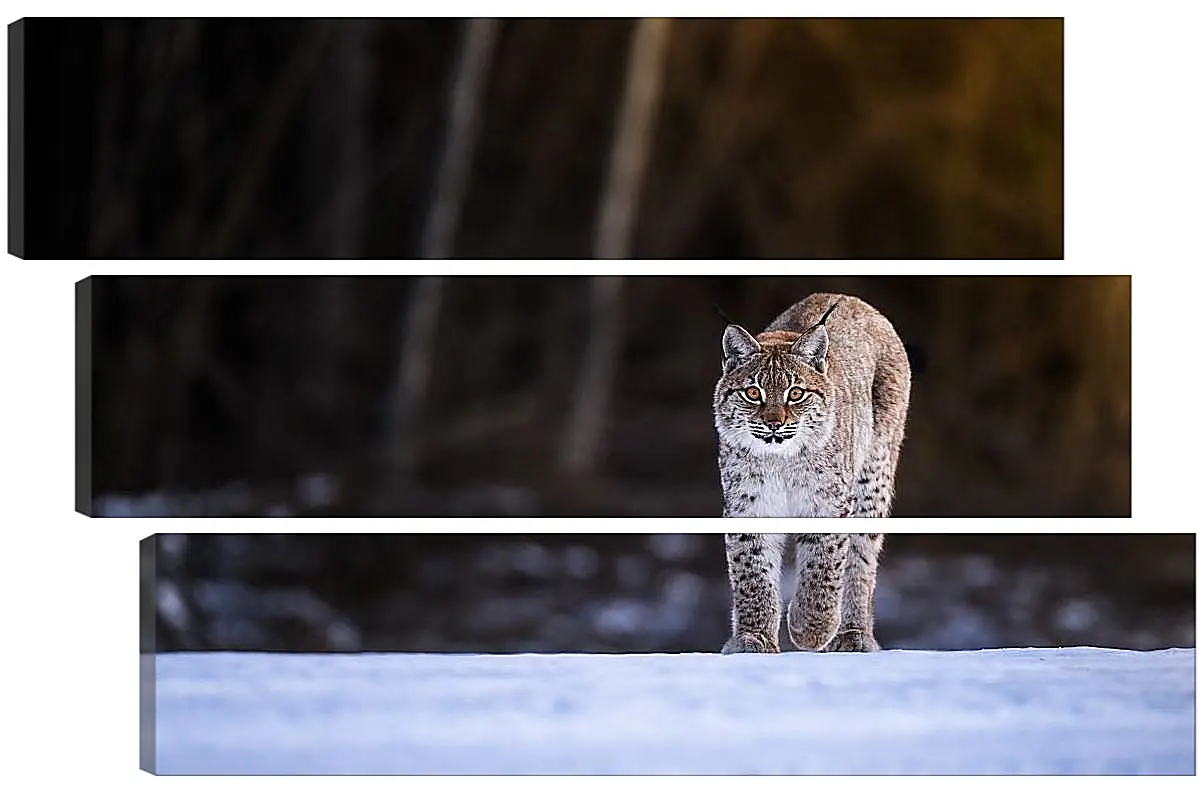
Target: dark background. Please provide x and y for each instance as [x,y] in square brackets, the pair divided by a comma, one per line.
[794,138]
[642,593]
[543,396]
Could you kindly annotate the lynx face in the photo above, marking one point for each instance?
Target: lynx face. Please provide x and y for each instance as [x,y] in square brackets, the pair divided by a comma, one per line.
[774,394]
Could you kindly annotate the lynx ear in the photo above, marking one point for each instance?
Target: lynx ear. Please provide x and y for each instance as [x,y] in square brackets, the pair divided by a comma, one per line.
[812,348]
[738,344]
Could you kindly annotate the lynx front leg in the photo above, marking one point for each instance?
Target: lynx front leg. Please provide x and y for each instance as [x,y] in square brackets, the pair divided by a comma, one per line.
[814,614]
[755,565]
[856,634]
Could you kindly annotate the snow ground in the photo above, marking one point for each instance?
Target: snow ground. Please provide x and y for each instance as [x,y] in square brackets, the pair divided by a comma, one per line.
[1022,711]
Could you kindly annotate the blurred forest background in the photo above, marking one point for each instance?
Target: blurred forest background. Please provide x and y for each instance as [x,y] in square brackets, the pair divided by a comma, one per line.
[542,138]
[544,396]
[642,593]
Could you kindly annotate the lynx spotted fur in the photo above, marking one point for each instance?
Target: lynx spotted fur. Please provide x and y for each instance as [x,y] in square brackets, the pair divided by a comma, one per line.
[810,415]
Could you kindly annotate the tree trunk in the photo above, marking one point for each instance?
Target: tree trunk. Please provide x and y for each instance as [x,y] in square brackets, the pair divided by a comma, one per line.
[453,175]
[257,156]
[593,392]
[633,139]
[412,380]
[345,97]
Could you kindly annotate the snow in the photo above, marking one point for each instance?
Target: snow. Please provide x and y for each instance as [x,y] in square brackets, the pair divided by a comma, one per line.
[1025,711]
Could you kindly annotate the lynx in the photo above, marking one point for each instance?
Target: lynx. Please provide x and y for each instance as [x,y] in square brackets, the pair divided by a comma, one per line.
[810,415]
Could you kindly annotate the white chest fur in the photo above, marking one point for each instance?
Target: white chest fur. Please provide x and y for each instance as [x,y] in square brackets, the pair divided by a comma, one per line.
[783,492]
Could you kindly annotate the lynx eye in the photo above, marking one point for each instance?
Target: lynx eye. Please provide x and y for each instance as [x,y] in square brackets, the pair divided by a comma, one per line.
[795,394]
[753,393]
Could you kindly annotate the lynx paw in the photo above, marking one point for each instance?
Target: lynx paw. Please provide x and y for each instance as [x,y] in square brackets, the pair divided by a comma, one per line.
[811,629]
[749,643]
[853,642]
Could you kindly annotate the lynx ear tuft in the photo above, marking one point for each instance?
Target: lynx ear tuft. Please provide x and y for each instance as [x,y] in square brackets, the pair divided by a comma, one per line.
[739,344]
[812,348]
[831,308]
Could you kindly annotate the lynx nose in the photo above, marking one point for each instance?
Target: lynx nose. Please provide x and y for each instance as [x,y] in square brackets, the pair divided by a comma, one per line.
[773,424]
